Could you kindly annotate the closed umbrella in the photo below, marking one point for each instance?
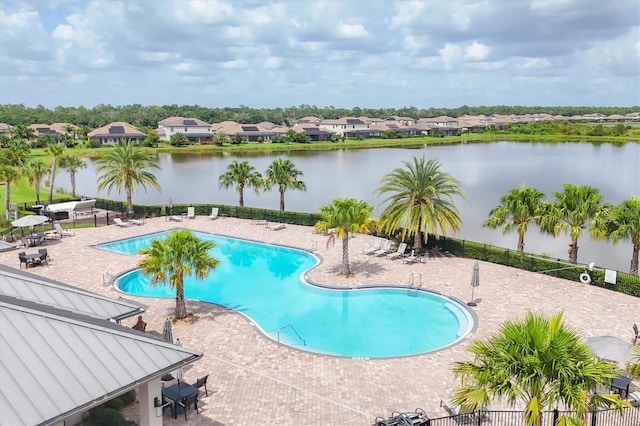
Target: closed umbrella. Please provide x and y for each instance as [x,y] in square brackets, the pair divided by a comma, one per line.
[475,282]
[611,348]
[180,371]
[167,332]
[29,220]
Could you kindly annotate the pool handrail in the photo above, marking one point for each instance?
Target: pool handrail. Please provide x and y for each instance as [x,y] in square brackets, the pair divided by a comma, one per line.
[304,343]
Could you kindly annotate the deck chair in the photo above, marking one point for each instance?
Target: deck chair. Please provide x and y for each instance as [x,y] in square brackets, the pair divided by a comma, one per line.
[191,212]
[276,226]
[637,333]
[202,381]
[44,256]
[398,253]
[214,213]
[376,245]
[386,248]
[23,259]
[120,223]
[63,231]
[138,222]
[412,258]
[462,415]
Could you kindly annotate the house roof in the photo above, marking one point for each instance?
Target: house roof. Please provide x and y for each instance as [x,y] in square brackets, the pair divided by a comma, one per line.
[118,129]
[55,363]
[181,122]
[30,287]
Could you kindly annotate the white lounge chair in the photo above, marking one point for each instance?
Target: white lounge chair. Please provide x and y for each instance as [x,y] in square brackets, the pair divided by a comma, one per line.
[138,222]
[214,213]
[376,245]
[276,226]
[119,222]
[63,231]
[191,212]
[259,222]
[412,258]
[175,218]
[398,253]
[386,247]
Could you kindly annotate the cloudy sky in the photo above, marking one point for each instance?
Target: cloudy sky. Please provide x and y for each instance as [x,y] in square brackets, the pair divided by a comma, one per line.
[347,53]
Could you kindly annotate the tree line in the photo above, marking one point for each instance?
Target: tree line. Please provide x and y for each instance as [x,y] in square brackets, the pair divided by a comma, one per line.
[144,117]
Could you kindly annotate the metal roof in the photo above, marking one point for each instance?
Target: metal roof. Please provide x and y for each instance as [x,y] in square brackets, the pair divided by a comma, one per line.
[55,363]
[23,285]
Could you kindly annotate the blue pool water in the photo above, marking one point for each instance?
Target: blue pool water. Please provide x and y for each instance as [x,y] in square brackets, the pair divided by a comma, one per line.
[266,283]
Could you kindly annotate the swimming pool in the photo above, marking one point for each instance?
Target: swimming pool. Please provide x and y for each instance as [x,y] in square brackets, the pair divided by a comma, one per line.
[266,283]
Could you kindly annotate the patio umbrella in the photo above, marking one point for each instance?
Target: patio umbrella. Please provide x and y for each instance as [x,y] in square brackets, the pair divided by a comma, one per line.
[611,348]
[475,282]
[167,332]
[29,220]
[180,371]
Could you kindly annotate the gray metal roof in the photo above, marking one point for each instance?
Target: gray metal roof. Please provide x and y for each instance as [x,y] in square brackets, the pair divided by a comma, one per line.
[54,363]
[23,285]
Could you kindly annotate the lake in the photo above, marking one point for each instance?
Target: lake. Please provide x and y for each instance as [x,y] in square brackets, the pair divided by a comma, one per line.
[487,171]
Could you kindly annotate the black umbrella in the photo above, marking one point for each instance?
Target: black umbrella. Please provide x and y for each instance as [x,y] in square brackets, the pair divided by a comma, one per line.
[475,282]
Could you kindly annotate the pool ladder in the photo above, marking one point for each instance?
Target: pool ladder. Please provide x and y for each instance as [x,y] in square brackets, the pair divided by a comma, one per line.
[414,283]
[304,343]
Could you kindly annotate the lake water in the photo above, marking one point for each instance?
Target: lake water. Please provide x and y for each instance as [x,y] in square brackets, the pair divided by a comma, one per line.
[486,171]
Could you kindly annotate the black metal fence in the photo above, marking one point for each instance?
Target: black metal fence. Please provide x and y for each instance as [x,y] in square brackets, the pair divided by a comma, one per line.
[628,417]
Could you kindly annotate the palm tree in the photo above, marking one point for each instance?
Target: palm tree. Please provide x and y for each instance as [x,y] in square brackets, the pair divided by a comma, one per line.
[35,171]
[23,133]
[621,222]
[345,215]
[240,175]
[56,152]
[284,174]
[420,198]
[180,255]
[8,175]
[634,367]
[572,210]
[540,361]
[519,208]
[124,167]
[72,163]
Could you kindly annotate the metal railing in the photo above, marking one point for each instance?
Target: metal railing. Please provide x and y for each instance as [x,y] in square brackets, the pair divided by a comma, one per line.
[304,343]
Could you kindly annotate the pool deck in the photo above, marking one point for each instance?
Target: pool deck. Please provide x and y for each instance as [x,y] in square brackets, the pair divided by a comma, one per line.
[252,380]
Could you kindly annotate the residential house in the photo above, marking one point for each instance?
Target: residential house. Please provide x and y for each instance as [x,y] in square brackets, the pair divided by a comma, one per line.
[350,127]
[113,133]
[4,127]
[307,120]
[92,359]
[315,133]
[194,129]
[262,132]
[55,130]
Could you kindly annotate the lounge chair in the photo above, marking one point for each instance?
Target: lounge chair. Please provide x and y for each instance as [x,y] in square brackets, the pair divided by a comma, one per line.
[637,333]
[376,245]
[634,398]
[398,253]
[463,415]
[64,232]
[191,212]
[276,226]
[259,222]
[386,248]
[175,218]
[119,222]
[214,213]
[412,258]
[138,222]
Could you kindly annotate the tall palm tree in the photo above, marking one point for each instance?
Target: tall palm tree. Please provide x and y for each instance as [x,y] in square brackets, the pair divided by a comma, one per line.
[8,175]
[621,222]
[284,174]
[22,132]
[56,152]
[241,175]
[519,208]
[182,254]
[420,198]
[35,171]
[570,213]
[540,361]
[345,215]
[72,163]
[124,168]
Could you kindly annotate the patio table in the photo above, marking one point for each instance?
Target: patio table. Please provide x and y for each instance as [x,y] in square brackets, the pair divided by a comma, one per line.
[176,392]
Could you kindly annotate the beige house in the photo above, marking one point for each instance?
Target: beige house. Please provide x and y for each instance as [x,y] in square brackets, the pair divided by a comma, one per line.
[116,132]
[346,126]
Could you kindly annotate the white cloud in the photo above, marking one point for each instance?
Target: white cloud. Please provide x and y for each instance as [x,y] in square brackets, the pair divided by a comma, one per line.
[351,30]
[238,64]
[273,63]
[450,54]
[476,52]
[207,11]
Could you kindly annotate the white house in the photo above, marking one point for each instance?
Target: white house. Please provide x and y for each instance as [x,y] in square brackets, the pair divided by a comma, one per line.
[194,129]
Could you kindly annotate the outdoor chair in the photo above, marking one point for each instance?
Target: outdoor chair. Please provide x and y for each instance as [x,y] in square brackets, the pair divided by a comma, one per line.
[398,253]
[202,381]
[175,218]
[462,415]
[44,256]
[119,222]
[138,222]
[214,213]
[376,245]
[187,402]
[386,247]
[637,333]
[191,212]
[276,226]
[64,232]
[412,258]
[23,259]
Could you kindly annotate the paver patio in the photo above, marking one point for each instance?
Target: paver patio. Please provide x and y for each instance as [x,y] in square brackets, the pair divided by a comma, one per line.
[252,380]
